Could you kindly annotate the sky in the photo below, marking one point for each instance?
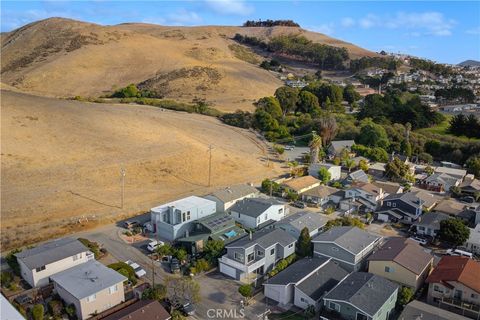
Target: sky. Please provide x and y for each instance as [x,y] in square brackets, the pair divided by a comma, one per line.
[447,32]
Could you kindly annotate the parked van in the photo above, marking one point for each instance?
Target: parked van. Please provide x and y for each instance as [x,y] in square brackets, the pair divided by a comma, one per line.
[458,252]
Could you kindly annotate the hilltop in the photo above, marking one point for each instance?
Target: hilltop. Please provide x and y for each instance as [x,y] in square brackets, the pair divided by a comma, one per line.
[63,58]
[469,63]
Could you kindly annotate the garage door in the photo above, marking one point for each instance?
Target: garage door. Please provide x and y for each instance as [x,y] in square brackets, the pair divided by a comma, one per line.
[229,271]
[273,293]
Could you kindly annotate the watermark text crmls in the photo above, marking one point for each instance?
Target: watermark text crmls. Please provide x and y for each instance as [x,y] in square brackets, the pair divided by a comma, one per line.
[225,313]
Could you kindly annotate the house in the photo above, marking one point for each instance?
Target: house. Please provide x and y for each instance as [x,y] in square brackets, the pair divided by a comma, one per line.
[428,199]
[39,263]
[449,207]
[295,223]
[377,169]
[336,147]
[470,187]
[227,197]
[256,254]
[175,219]
[389,187]
[402,261]
[319,196]
[362,296]
[454,172]
[334,170]
[304,283]
[300,184]
[91,287]
[357,176]
[473,243]
[141,310]
[429,224]
[454,285]
[356,160]
[439,182]
[217,226]
[349,246]
[417,310]
[252,212]
[400,207]
[367,194]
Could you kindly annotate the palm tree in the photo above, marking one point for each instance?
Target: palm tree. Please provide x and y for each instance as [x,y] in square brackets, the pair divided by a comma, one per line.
[315,145]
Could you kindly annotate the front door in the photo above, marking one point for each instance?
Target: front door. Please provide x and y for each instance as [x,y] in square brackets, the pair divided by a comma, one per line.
[458,295]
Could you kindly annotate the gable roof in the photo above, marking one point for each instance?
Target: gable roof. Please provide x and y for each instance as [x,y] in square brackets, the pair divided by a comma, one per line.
[321,191]
[302,219]
[407,197]
[297,271]
[417,310]
[367,187]
[264,238]
[442,178]
[471,184]
[404,252]
[141,310]
[352,239]
[234,192]
[458,173]
[253,207]
[358,175]
[49,252]
[431,219]
[339,145]
[450,207]
[87,278]
[428,198]
[300,183]
[456,268]
[379,166]
[366,291]
[217,222]
[388,187]
[322,280]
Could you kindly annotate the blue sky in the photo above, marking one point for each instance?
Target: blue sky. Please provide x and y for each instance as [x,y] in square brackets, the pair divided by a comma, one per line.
[439,30]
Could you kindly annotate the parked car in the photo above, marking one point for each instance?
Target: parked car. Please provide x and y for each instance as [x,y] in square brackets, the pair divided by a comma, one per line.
[139,272]
[468,199]
[187,309]
[131,224]
[419,240]
[174,265]
[299,204]
[153,245]
[457,252]
[289,147]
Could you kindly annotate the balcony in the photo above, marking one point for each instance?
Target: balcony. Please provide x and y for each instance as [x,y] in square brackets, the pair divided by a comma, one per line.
[248,268]
[461,307]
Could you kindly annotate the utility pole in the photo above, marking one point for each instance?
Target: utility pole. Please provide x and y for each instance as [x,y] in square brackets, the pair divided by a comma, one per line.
[210,147]
[122,173]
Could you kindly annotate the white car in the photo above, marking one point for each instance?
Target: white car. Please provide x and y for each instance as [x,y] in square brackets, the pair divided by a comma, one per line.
[289,147]
[419,240]
[458,252]
[153,245]
[139,272]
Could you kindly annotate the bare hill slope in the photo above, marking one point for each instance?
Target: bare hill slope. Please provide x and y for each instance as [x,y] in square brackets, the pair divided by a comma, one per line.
[61,161]
[63,58]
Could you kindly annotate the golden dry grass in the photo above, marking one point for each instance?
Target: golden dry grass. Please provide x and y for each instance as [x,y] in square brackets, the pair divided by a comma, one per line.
[61,160]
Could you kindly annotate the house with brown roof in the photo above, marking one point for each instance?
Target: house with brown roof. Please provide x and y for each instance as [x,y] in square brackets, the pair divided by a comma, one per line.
[429,200]
[454,285]
[389,187]
[367,194]
[141,310]
[450,207]
[470,186]
[301,184]
[319,195]
[403,261]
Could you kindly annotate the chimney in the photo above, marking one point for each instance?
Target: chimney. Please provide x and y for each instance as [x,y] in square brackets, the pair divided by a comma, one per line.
[250,235]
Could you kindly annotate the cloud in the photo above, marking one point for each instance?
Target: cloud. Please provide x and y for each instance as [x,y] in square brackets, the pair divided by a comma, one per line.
[474,31]
[184,17]
[234,7]
[13,19]
[326,28]
[417,23]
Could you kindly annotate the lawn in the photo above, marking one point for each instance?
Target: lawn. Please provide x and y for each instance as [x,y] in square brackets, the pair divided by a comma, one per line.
[442,130]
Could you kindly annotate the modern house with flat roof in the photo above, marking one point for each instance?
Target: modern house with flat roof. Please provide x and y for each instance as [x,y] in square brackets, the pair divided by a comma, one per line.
[39,263]
[253,212]
[91,287]
[175,219]
[349,246]
[227,197]
[256,254]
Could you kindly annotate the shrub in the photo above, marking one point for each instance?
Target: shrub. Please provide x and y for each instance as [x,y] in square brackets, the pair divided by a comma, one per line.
[279,149]
[70,310]
[246,291]
[202,265]
[282,264]
[124,269]
[6,279]
[158,293]
[55,307]
[12,261]
[92,246]
[38,312]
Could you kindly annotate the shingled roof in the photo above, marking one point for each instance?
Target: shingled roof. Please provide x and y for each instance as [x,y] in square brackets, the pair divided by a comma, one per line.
[455,268]
[351,239]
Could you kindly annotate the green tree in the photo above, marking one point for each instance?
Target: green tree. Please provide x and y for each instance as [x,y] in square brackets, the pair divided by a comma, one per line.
[165,250]
[315,145]
[362,164]
[349,163]
[124,269]
[350,94]
[345,221]
[180,289]
[373,135]
[213,249]
[246,291]
[473,165]
[271,106]
[454,231]
[12,261]
[38,312]
[129,91]
[158,293]
[269,186]
[324,175]
[305,243]
[180,254]
[308,103]
[406,148]
[177,315]
[397,170]
[405,295]
[264,121]
[70,310]
[429,170]
[288,98]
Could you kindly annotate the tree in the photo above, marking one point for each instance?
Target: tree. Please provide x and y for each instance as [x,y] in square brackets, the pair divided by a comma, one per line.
[269,186]
[373,135]
[350,164]
[270,105]
[246,291]
[177,315]
[327,128]
[70,310]
[308,103]
[125,270]
[324,175]
[181,289]
[38,312]
[180,254]
[350,94]
[165,250]
[158,293]
[315,145]
[429,170]
[12,261]
[288,98]
[213,249]
[362,164]
[454,231]
[473,165]
[397,170]
[305,243]
[345,221]
[405,295]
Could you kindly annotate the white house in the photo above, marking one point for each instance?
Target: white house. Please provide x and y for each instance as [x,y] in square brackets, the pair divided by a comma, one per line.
[227,197]
[175,219]
[367,194]
[335,171]
[473,243]
[39,263]
[252,212]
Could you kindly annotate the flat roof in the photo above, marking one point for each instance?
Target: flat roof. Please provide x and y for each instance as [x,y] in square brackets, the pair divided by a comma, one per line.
[185,203]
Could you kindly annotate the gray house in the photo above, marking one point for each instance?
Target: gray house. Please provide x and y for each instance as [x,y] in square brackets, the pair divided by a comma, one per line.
[227,197]
[294,223]
[362,296]
[253,212]
[336,147]
[349,246]
[255,255]
[400,206]
[356,176]
[429,224]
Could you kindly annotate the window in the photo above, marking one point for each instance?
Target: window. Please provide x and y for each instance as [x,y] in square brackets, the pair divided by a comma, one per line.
[280,211]
[259,253]
[394,204]
[437,289]
[361,316]
[272,252]
[40,269]
[474,296]
[184,216]
[389,204]
[389,269]
[334,306]
[266,217]
[251,257]
[303,299]
[188,215]
[113,289]
[421,228]
[290,245]
[238,256]
[258,220]
[76,257]
[91,298]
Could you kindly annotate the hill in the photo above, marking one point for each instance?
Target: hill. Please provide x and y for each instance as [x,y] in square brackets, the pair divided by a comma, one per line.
[61,162]
[470,63]
[64,58]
